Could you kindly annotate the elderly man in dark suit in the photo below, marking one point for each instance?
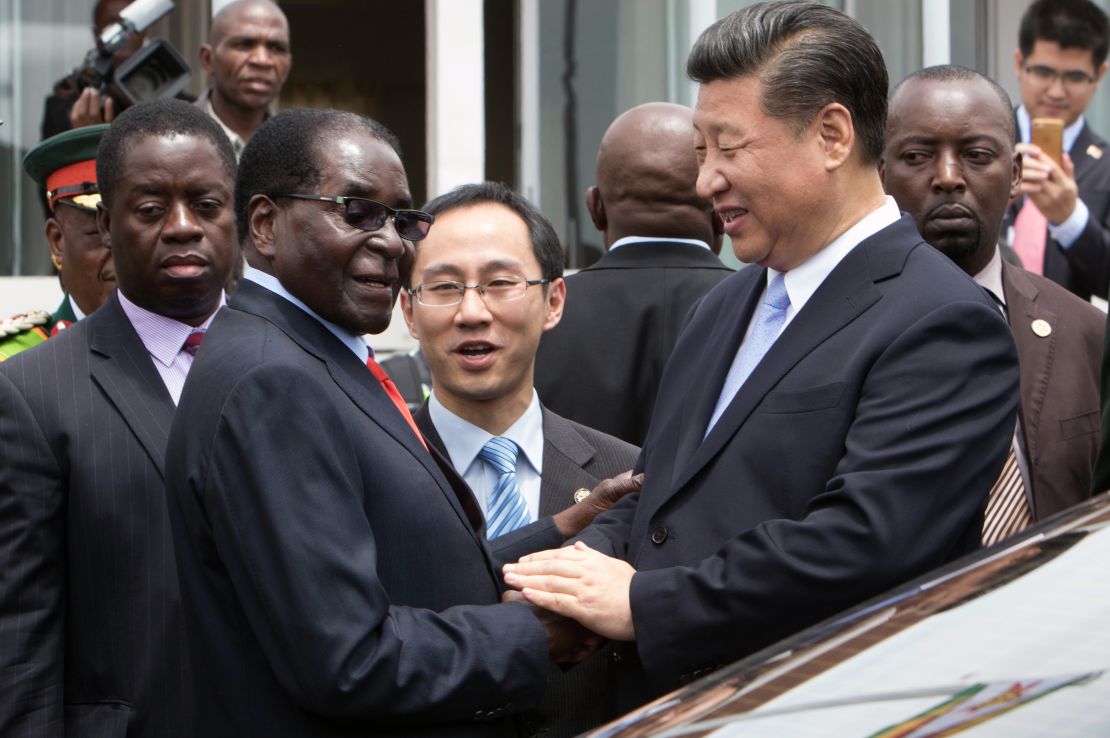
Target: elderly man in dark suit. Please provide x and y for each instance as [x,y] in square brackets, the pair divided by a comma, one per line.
[486,284]
[334,566]
[91,638]
[601,364]
[831,420]
[950,163]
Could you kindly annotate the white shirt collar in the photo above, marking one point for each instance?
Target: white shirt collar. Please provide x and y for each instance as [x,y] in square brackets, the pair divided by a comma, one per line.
[803,280]
[990,278]
[627,240]
[353,341]
[463,440]
[77,312]
[1025,125]
[163,337]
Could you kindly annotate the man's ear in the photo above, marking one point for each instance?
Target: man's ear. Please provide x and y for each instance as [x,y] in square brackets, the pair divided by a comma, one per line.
[1015,176]
[596,208]
[55,239]
[556,299]
[1019,60]
[103,224]
[205,56]
[882,171]
[838,136]
[1101,72]
[406,310]
[262,212]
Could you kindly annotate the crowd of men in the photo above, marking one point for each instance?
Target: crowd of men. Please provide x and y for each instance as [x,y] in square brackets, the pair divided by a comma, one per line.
[220,516]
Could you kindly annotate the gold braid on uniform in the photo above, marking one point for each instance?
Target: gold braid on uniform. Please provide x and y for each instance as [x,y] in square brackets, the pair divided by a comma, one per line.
[23,322]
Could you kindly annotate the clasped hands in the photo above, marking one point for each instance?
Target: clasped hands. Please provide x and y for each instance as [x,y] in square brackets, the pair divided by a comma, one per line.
[582,596]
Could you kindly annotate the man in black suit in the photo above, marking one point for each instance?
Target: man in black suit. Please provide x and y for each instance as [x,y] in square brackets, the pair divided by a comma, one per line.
[486,284]
[90,612]
[334,567]
[950,163]
[601,365]
[1061,227]
[832,419]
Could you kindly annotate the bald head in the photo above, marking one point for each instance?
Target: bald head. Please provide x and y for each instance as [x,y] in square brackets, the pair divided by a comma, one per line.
[646,174]
[235,14]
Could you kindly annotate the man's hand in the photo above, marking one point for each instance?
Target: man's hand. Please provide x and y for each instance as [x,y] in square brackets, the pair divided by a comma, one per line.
[567,641]
[1051,187]
[575,518]
[86,109]
[579,583]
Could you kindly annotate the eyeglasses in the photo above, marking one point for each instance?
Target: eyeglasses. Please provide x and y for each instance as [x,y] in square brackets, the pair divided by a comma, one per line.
[1073,79]
[370,215]
[505,288]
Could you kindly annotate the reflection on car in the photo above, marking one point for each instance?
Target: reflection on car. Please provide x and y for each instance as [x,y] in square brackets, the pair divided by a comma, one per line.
[1011,641]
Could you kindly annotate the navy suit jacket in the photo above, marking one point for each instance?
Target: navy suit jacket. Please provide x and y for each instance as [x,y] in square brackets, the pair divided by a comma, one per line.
[90,612]
[857,455]
[1083,267]
[335,576]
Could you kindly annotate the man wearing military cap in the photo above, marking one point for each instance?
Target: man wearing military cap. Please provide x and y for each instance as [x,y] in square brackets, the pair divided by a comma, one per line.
[65,166]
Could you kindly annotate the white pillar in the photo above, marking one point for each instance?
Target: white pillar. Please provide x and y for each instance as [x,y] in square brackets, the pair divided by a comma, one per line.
[528,91]
[455,94]
[936,39]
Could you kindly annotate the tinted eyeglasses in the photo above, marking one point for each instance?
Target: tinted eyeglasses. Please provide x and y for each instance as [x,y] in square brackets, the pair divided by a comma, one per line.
[370,215]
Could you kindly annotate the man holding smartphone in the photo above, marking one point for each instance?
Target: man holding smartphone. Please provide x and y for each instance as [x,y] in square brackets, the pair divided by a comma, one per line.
[1061,226]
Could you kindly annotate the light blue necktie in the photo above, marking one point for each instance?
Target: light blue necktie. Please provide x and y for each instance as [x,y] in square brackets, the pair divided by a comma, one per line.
[766,326]
[506,510]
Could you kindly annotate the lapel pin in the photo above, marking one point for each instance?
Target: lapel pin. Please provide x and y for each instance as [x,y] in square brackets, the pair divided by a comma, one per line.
[1094,152]
[580,494]
[1041,328]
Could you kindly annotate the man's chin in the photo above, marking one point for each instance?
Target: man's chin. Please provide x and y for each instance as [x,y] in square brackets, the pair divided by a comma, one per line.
[955,247]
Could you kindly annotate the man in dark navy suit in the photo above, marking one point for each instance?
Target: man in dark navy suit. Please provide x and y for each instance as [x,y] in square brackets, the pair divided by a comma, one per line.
[831,420]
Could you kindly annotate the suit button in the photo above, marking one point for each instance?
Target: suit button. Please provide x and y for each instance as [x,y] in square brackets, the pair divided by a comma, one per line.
[616,657]
[658,535]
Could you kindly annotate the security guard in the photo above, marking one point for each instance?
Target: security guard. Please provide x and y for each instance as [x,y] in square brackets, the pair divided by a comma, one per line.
[65,166]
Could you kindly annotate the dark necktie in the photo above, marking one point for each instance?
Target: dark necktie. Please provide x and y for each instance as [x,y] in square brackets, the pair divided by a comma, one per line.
[391,390]
[192,342]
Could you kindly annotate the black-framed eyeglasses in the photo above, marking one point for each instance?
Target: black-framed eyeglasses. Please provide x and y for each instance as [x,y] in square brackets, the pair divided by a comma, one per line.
[1071,78]
[504,288]
[370,215]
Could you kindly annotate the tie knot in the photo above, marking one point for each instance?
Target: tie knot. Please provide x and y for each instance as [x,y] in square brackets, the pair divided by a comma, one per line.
[501,454]
[776,295]
[192,342]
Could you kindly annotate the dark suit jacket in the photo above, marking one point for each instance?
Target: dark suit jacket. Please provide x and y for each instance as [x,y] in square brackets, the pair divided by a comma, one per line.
[1059,387]
[574,456]
[857,455]
[336,578]
[601,365]
[90,614]
[1084,267]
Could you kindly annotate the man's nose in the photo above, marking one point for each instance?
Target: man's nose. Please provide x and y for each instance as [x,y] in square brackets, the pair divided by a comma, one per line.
[949,172]
[182,224]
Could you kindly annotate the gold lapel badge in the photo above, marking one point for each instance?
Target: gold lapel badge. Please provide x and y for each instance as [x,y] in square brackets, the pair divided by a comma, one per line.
[580,494]
[1041,328]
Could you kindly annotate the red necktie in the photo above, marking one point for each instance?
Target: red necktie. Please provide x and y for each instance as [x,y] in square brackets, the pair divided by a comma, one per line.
[391,390]
[192,342]
[1030,237]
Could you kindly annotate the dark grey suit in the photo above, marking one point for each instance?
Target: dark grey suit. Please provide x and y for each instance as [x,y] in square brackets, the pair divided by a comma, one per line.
[90,616]
[574,456]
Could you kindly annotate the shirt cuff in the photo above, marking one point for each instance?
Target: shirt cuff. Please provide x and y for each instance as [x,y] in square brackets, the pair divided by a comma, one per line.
[1067,232]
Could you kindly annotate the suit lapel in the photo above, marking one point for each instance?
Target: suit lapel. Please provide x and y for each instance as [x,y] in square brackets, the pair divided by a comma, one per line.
[565,454]
[463,492]
[845,294]
[724,338]
[1035,353]
[351,376]
[121,366]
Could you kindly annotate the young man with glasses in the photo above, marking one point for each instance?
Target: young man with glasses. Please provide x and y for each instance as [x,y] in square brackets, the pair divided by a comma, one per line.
[486,284]
[1061,226]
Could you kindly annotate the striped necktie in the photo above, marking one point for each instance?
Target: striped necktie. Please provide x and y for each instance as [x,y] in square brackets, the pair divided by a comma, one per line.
[1007,509]
[506,510]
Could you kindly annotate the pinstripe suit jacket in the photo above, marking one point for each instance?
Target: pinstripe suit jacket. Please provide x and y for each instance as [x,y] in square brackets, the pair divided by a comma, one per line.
[573,456]
[89,608]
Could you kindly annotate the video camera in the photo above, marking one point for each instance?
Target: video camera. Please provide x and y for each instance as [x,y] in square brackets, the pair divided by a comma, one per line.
[156,70]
